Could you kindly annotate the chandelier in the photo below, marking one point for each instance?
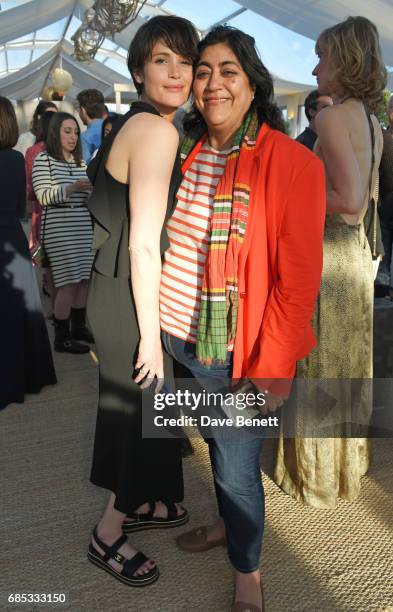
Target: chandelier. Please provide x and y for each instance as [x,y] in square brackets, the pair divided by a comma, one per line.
[104,19]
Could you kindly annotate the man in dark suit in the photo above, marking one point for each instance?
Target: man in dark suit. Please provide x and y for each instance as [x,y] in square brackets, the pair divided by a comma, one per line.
[314,103]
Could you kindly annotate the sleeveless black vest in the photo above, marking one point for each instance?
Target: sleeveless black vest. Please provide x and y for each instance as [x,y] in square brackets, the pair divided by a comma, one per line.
[110,209]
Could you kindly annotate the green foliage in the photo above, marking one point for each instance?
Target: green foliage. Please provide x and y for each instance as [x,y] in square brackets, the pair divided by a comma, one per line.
[381,111]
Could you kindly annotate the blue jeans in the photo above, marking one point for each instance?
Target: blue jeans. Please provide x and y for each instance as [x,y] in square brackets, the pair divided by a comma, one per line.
[234,461]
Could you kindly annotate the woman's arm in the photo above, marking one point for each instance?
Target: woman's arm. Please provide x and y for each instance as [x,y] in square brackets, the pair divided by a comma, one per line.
[152,155]
[344,193]
[46,192]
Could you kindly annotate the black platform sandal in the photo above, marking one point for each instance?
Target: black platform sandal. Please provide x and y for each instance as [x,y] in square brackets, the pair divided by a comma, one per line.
[130,566]
[139,521]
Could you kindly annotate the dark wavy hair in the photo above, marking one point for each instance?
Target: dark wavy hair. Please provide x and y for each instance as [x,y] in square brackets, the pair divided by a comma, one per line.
[109,120]
[243,46]
[41,108]
[177,33]
[53,143]
[43,126]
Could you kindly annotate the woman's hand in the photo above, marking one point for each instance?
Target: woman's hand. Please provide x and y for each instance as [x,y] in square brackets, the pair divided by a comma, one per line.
[150,364]
[79,185]
[272,401]
[83,185]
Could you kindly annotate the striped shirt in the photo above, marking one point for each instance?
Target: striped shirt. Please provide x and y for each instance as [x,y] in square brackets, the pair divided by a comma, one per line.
[189,236]
[66,228]
[51,178]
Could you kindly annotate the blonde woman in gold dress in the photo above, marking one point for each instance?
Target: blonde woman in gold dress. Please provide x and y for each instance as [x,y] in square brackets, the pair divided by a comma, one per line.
[319,470]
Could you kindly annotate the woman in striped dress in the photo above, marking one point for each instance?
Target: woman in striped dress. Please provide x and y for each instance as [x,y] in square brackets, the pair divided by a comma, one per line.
[62,188]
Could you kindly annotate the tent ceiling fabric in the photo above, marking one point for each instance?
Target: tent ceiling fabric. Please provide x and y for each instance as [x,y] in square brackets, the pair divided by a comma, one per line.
[310,17]
[32,16]
[24,84]
[28,82]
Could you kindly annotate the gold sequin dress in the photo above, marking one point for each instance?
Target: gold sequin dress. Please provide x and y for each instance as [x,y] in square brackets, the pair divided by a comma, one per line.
[319,470]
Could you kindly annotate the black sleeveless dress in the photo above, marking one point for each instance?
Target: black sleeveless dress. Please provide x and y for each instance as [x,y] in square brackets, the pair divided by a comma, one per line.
[135,468]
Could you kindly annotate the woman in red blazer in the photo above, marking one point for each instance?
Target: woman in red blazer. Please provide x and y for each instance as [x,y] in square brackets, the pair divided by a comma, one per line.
[241,275]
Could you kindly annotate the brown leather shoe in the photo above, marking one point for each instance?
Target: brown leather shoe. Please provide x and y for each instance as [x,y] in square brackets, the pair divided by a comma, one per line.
[242,606]
[196,541]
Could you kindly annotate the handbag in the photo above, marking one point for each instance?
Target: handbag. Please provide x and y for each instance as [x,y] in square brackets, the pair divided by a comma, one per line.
[40,255]
[371,221]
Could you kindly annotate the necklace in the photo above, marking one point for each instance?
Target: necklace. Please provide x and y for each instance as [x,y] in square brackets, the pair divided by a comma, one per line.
[69,165]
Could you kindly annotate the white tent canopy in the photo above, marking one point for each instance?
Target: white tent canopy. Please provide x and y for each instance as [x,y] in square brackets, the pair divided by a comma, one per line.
[310,18]
[32,16]
[28,82]
[17,23]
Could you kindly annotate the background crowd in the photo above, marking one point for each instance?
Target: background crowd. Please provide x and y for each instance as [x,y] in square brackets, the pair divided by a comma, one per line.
[59,178]
[44,177]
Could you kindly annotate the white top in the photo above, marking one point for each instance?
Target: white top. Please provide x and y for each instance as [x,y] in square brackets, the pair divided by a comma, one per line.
[25,140]
[188,232]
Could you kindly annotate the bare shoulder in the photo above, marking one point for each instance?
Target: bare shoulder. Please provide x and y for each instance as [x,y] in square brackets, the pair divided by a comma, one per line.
[150,126]
[331,117]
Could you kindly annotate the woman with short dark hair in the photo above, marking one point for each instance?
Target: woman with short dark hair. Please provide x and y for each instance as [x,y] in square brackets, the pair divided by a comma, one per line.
[132,179]
[62,188]
[241,276]
[26,361]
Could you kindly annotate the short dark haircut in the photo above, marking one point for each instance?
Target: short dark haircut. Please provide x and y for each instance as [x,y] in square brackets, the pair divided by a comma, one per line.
[41,107]
[43,126]
[9,132]
[53,143]
[175,32]
[243,46]
[92,100]
[311,102]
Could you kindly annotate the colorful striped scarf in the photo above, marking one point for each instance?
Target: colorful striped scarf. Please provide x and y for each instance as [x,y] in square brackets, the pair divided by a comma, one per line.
[219,298]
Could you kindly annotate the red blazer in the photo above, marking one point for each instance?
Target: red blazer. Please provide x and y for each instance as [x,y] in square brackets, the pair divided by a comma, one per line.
[280,263]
